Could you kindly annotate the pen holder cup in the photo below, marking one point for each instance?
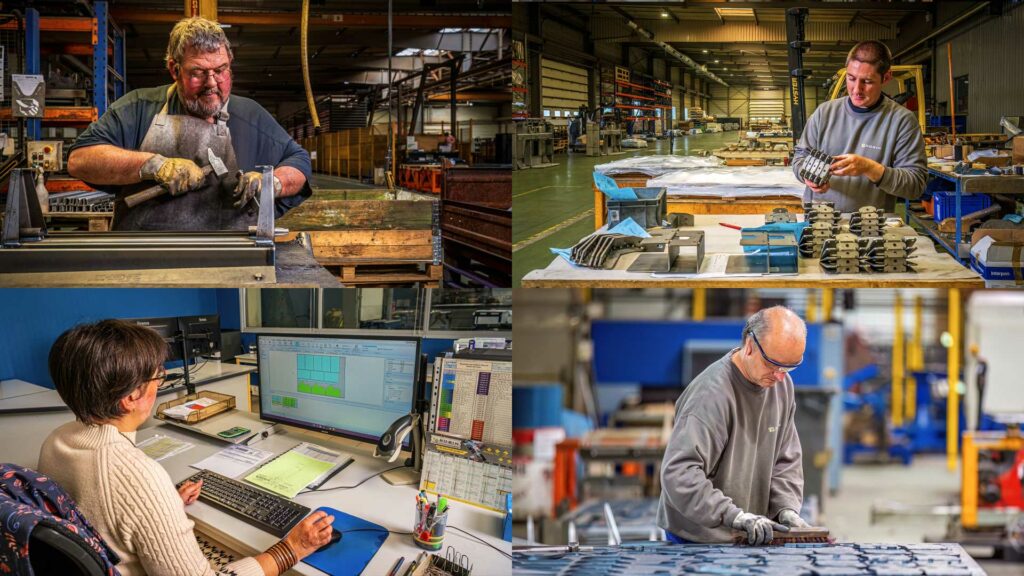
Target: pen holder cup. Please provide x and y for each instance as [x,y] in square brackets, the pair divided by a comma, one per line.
[429,534]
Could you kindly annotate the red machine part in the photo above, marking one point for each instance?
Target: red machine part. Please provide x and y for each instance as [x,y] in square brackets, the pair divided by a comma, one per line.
[1001,479]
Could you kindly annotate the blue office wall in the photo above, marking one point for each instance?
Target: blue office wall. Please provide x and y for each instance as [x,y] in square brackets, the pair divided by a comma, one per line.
[650,353]
[228,305]
[31,319]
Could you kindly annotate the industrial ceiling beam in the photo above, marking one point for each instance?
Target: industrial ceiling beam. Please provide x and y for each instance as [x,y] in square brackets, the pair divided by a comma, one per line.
[426,20]
[891,6]
[702,70]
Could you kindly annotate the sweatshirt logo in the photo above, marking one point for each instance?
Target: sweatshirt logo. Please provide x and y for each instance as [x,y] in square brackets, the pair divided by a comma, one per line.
[872,146]
[772,428]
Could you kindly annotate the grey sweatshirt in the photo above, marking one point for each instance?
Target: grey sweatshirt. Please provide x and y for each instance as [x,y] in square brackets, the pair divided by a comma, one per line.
[733,449]
[888,134]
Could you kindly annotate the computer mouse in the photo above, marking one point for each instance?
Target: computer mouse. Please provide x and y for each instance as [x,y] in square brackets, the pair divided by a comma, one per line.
[335,537]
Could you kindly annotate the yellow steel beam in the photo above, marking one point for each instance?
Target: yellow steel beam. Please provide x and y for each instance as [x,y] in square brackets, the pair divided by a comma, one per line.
[896,403]
[827,299]
[700,304]
[915,360]
[953,376]
[812,306]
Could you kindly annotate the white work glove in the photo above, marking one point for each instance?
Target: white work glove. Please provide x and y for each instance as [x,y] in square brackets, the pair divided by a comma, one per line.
[792,519]
[758,528]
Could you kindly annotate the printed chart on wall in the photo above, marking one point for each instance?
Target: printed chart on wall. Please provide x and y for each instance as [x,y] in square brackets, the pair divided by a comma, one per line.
[468,455]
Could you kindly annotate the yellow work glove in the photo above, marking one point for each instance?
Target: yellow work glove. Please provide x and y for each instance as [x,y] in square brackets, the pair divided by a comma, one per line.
[177,175]
[249,186]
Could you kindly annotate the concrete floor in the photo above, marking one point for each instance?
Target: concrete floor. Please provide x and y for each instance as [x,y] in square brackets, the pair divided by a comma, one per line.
[926,482]
[553,207]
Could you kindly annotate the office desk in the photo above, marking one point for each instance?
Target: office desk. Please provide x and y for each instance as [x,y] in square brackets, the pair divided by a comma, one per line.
[29,412]
[393,507]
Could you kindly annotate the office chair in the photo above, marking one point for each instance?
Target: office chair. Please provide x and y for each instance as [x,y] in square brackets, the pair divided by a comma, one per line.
[49,532]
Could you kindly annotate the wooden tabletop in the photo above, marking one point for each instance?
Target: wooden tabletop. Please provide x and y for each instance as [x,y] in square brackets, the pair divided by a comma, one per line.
[935,269]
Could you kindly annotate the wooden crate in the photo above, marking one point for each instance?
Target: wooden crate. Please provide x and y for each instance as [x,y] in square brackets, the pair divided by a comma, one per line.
[377,239]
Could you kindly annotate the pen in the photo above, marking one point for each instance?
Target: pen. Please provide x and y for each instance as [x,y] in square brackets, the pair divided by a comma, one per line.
[398,564]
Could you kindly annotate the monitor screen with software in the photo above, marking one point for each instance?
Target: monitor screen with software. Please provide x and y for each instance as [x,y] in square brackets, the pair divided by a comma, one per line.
[351,386]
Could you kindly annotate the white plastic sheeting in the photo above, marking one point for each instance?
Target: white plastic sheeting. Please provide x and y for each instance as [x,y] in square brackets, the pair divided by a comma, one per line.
[731,182]
[656,165]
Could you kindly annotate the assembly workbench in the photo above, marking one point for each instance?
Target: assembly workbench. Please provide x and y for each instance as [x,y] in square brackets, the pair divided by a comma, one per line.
[934,269]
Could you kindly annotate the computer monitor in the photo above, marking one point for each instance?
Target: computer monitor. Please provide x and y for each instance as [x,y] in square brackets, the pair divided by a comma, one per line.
[699,354]
[350,386]
[201,334]
[168,329]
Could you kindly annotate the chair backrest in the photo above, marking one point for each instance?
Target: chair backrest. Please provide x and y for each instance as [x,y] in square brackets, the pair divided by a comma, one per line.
[53,552]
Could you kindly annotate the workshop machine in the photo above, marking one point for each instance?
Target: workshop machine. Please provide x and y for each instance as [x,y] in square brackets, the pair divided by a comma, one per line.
[533,144]
[28,248]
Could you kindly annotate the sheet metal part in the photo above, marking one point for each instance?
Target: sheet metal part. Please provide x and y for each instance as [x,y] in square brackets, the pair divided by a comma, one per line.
[636,559]
[681,252]
[868,221]
[775,252]
[82,201]
[680,219]
[779,215]
[815,167]
[603,250]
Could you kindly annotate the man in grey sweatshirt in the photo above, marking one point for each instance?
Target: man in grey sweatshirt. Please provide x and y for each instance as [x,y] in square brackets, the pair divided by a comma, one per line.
[733,460]
[876,143]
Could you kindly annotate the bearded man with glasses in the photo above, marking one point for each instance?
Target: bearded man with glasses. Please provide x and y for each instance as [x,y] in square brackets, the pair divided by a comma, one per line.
[162,135]
[733,461]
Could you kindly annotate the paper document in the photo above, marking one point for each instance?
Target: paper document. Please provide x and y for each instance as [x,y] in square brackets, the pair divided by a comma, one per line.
[181,411]
[289,473]
[233,460]
[159,447]
[337,459]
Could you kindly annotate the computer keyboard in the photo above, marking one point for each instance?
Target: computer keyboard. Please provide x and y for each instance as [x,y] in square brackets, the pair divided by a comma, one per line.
[262,509]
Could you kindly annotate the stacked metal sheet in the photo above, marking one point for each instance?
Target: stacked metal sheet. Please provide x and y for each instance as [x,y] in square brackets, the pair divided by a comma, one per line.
[660,558]
[847,254]
[867,222]
[823,223]
[94,201]
[603,250]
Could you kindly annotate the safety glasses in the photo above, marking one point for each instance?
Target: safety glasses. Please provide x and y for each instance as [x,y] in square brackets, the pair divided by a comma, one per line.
[779,367]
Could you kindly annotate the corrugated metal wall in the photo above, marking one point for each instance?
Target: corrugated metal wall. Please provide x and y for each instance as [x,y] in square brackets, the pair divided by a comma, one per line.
[766,103]
[988,54]
[563,87]
[731,101]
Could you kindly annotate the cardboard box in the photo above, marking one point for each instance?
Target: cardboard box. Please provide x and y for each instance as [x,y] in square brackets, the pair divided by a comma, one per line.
[998,263]
[1018,150]
[990,161]
[943,151]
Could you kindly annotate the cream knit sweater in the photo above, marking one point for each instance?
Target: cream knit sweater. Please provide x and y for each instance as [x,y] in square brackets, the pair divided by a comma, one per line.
[130,500]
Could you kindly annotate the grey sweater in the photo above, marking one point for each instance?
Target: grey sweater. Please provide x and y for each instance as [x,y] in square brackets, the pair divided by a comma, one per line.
[888,134]
[733,449]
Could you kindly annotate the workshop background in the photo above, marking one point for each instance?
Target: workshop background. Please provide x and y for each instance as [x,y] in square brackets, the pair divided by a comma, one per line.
[626,89]
[597,373]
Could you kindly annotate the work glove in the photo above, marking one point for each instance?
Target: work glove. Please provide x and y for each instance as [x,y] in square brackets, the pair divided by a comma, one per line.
[177,175]
[758,528]
[792,519]
[249,186]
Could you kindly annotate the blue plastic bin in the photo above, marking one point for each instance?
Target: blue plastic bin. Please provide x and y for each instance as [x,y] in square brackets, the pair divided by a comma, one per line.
[945,204]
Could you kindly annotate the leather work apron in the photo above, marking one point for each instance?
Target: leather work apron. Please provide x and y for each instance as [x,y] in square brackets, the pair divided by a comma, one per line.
[205,209]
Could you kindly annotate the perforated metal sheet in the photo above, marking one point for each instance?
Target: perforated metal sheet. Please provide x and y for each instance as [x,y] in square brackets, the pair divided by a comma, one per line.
[658,558]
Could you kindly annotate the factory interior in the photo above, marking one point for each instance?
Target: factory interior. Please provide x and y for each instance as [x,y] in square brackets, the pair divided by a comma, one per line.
[400,110]
[595,423]
[697,109]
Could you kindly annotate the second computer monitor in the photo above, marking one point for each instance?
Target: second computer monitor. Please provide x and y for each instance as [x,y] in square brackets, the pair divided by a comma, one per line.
[349,386]
[201,334]
[167,328]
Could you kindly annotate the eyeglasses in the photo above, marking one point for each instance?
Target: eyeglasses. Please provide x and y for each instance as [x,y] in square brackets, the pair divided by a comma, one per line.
[163,382]
[201,74]
[779,367]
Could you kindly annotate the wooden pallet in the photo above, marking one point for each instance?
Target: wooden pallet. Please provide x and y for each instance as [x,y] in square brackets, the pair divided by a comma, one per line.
[92,221]
[388,273]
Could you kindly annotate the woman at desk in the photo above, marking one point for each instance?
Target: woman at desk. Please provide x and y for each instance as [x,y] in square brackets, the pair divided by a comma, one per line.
[108,373]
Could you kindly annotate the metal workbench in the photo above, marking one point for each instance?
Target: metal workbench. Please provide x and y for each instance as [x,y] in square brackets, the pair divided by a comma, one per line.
[935,269]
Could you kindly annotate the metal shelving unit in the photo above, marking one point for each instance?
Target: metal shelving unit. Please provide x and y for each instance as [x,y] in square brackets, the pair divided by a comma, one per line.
[964,184]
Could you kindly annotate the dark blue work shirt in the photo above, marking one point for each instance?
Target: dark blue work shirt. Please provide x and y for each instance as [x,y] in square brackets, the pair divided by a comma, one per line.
[256,137]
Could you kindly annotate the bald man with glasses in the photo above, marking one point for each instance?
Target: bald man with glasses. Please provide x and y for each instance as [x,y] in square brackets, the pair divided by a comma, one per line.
[733,461]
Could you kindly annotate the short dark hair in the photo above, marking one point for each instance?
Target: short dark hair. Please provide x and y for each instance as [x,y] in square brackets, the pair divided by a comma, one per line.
[871,52]
[95,365]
